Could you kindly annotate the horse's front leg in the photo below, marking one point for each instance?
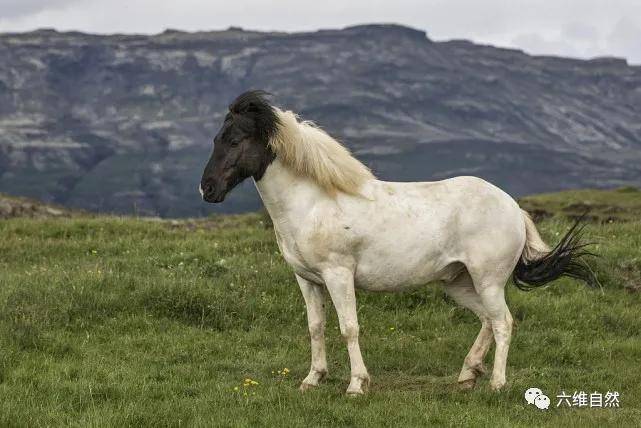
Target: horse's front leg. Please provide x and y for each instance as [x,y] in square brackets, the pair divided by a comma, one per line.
[313,295]
[340,284]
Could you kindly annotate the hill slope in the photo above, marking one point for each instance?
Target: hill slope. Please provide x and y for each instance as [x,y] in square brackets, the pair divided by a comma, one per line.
[124,123]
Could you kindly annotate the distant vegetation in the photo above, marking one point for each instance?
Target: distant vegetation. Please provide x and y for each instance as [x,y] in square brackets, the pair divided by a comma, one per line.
[110,321]
[15,206]
[604,206]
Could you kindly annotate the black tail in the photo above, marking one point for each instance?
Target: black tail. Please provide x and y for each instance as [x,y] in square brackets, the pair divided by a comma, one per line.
[566,259]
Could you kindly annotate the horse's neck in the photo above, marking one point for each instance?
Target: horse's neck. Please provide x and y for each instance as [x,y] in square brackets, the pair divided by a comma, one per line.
[286,196]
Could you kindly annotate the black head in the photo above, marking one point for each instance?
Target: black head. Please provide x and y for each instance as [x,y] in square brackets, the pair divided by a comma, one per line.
[241,146]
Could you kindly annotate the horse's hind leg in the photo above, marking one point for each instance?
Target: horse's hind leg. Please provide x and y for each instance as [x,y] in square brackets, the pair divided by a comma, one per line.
[493,298]
[463,292]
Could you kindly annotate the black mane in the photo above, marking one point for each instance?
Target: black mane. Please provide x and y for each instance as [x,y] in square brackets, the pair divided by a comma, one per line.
[254,104]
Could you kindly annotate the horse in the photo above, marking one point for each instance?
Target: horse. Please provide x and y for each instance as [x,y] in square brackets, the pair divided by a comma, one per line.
[340,228]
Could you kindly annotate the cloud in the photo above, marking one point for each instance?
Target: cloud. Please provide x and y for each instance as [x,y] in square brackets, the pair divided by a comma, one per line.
[580,31]
[19,8]
[625,40]
[536,44]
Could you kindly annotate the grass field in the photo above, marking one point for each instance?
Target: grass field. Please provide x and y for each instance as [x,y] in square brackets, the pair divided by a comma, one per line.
[125,322]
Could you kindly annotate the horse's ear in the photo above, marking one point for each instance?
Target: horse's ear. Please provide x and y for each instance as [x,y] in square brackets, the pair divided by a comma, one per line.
[253,102]
[250,107]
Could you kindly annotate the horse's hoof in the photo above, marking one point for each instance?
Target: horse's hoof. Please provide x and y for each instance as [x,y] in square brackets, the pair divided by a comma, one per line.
[466,385]
[358,386]
[306,387]
[497,386]
[312,380]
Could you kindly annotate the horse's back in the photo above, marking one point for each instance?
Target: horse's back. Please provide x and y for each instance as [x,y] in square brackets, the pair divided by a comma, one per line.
[465,199]
[413,233]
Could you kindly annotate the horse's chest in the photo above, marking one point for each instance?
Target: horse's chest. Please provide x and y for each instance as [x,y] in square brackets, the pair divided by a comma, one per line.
[294,256]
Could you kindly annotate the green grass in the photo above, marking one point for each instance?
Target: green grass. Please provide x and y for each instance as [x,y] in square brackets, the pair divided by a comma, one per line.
[123,322]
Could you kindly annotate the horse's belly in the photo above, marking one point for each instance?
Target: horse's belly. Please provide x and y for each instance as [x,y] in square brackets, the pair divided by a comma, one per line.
[401,273]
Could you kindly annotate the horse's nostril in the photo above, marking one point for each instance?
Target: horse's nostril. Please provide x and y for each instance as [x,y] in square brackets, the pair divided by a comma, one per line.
[209,189]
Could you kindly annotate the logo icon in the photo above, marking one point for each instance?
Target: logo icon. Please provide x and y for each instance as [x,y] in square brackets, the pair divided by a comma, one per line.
[542,402]
[538,398]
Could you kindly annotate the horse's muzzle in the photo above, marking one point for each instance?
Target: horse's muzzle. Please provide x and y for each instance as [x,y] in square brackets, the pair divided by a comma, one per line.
[213,194]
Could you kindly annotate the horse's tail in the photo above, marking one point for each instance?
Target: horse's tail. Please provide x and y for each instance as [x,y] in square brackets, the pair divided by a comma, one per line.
[539,264]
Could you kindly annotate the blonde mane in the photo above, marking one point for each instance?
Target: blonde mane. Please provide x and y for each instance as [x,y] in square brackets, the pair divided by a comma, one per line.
[310,152]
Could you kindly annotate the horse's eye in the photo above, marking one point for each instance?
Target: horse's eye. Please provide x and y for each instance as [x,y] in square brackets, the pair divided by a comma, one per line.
[235,143]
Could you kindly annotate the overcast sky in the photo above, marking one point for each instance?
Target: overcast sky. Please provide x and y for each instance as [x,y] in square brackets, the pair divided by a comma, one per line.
[577,28]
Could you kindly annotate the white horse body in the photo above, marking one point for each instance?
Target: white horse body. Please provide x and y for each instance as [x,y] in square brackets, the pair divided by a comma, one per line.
[396,235]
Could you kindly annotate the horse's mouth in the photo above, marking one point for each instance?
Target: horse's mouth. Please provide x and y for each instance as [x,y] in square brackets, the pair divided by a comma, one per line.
[213,198]
[212,195]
